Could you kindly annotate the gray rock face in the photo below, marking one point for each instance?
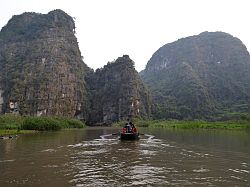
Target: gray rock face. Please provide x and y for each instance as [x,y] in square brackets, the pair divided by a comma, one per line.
[42,73]
[117,93]
[1,100]
[41,65]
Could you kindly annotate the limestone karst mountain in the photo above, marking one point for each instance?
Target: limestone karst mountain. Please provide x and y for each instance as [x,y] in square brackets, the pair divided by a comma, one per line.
[117,93]
[42,72]
[199,77]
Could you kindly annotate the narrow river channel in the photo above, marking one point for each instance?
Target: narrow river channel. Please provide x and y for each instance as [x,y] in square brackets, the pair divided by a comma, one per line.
[92,157]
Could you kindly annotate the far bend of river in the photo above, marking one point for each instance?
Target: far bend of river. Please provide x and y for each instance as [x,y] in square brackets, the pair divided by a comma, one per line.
[86,158]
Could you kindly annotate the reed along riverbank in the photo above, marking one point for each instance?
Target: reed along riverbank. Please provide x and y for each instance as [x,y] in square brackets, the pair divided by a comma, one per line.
[191,124]
[15,124]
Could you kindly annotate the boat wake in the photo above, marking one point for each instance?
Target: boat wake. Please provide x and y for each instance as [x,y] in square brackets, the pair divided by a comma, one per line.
[109,137]
[115,136]
[149,137]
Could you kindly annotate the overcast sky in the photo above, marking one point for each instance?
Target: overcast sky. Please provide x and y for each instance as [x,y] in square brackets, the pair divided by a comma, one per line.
[107,29]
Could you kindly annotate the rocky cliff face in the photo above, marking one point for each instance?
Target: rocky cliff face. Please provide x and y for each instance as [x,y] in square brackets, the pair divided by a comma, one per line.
[199,76]
[42,72]
[1,100]
[117,93]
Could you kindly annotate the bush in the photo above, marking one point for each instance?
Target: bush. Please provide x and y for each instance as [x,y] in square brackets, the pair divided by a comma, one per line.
[141,122]
[40,124]
[10,121]
[75,123]
[69,123]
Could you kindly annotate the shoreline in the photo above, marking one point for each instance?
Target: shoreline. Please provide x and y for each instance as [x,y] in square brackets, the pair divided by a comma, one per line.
[191,124]
[7,132]
[12,125]
[15,124]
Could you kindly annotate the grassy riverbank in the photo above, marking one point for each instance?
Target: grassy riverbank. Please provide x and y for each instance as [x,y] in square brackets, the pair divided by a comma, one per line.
[14,124]
[236,124]
[15,131]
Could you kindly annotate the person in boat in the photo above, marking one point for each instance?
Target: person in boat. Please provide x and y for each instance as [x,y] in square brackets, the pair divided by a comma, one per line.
[127,128]
[133,129]
[124,129]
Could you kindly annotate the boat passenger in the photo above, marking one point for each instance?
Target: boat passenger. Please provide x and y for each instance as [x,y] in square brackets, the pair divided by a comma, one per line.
[132,127]
[128,127]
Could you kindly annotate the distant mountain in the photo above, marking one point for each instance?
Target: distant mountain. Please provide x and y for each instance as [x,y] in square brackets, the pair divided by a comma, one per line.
[41,68]
[117,93]
[199,77]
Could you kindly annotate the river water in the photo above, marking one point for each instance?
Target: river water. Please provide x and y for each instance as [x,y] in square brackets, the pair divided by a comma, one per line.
[92,157]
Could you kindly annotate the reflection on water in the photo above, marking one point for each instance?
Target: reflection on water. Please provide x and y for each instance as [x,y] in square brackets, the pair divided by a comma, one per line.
[93,157]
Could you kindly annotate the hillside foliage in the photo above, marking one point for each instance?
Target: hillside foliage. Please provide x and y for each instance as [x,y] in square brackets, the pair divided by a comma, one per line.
[200,77]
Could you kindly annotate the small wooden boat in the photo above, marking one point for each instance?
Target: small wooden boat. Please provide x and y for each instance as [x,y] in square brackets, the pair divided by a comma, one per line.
[129,132]
[129,136]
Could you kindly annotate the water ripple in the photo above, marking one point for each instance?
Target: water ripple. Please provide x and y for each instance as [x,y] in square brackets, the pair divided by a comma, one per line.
[148,162]
[7,160]
[49,150]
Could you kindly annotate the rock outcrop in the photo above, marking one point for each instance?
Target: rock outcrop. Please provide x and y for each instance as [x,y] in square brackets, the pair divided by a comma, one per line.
[117,93]
[42,72]
[199,76]
[1,100]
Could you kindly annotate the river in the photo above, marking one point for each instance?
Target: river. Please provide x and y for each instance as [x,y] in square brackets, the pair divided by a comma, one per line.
[162,157]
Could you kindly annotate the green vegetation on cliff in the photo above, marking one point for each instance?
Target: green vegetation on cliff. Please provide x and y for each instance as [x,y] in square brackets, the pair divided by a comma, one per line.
[41,67]
[200,77]
[30,26]
[117,93]
[42,74]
